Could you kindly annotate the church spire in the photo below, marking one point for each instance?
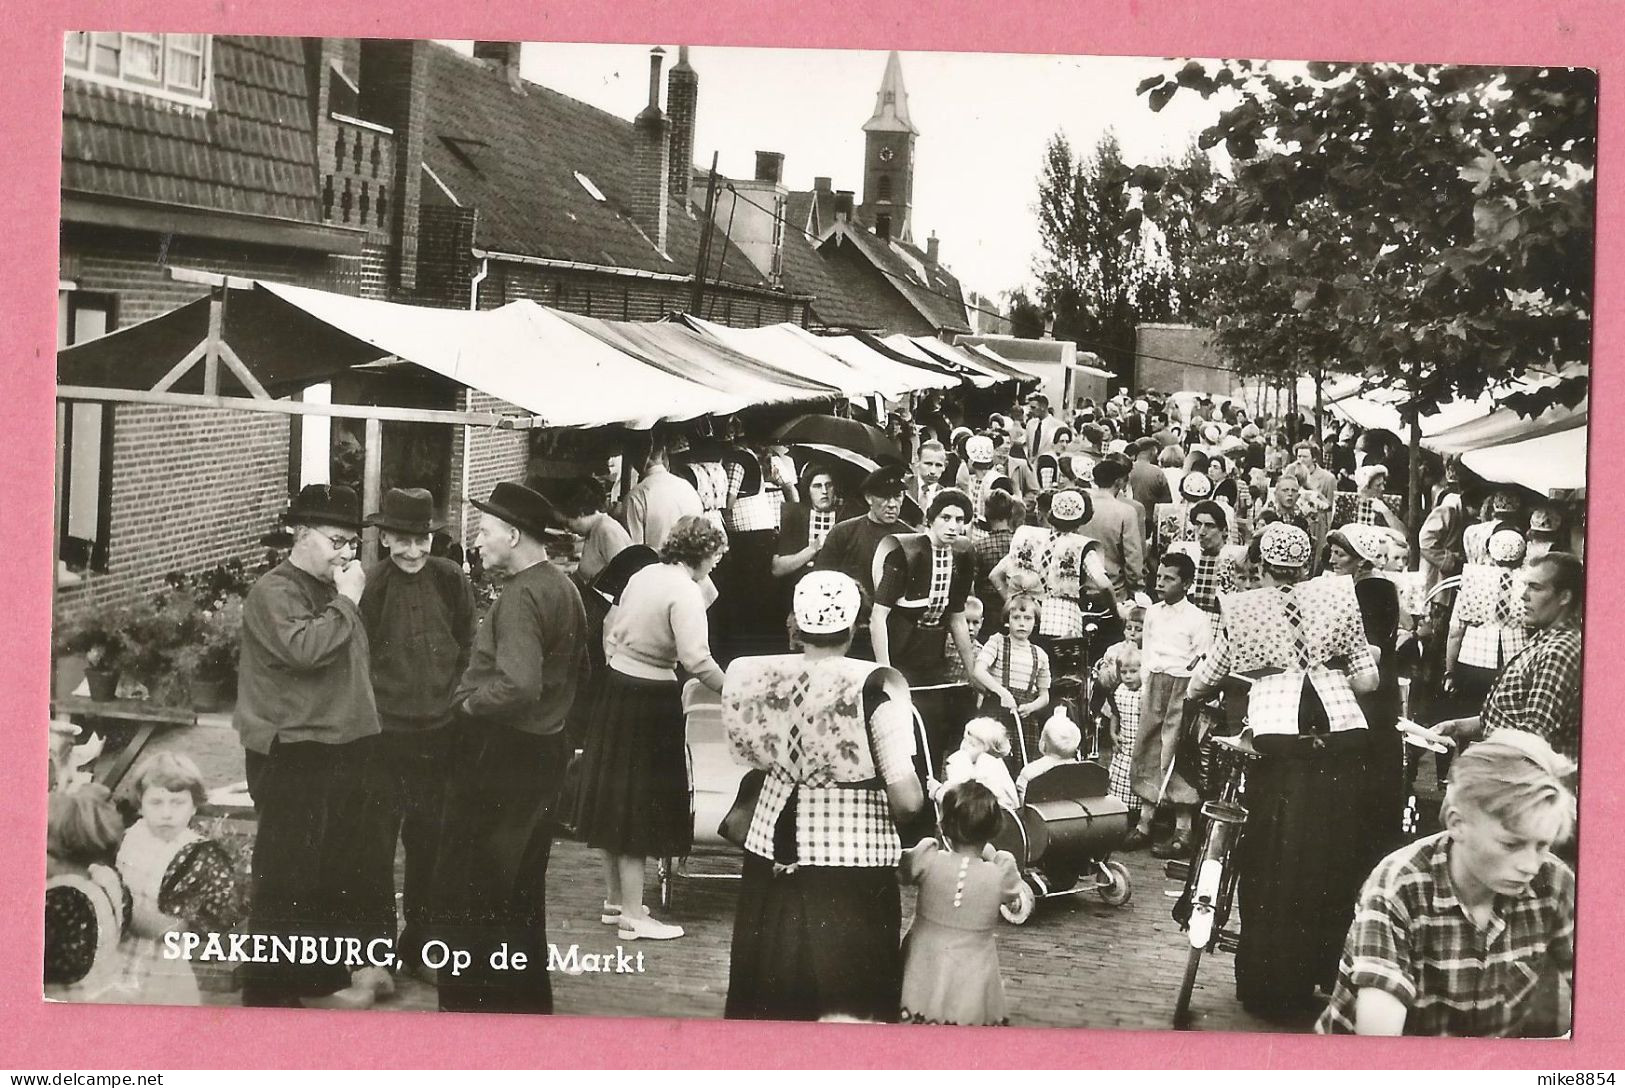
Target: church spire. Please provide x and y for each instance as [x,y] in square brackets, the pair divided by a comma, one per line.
[891,101]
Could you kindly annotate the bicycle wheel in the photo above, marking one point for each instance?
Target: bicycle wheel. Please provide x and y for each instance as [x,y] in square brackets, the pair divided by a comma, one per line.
[1182,1004]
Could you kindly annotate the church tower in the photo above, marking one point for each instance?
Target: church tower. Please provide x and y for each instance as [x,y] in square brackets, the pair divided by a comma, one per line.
[888,159]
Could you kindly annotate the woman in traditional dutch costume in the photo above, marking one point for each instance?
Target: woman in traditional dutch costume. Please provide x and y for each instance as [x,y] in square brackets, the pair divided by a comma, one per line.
[803,527]
[979,476]
[1173,519]
[1058,565]
[817,927]
[921,582]
[1218,564]
[1364,552]
[1368,504]
[1486,626]
[1303,858]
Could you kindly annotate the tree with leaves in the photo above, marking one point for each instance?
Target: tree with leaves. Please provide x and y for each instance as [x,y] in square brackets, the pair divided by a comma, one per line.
[1429,227]
[1097,272]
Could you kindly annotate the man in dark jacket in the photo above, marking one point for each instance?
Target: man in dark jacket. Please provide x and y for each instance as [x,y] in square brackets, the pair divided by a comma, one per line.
[419,613]
[510,705]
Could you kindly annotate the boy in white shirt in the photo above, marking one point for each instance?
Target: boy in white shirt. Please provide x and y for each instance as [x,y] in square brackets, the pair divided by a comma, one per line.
[1177,635]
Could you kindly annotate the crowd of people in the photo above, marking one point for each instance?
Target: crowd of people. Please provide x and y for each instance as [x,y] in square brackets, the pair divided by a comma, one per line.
[1197,568]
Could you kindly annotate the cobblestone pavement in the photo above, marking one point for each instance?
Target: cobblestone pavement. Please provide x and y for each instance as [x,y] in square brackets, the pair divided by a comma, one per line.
[1078,962]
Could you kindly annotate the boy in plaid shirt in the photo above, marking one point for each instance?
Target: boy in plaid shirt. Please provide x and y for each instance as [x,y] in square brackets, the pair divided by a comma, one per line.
[1454,933]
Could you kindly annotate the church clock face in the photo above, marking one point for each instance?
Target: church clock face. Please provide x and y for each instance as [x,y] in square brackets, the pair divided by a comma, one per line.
[886,154]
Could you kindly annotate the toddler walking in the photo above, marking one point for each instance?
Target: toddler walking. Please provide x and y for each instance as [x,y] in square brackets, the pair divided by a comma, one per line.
[950,962]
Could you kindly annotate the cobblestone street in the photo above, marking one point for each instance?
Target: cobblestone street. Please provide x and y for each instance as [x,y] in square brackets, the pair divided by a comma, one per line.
[1076,963]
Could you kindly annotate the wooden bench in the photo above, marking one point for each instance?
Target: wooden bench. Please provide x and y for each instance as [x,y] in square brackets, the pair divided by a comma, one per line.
[138,719]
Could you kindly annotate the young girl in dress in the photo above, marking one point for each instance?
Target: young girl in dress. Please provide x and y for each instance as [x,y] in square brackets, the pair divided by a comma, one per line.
[950,962]
[980,758]
[1119,677]
[178,880]
[86,908]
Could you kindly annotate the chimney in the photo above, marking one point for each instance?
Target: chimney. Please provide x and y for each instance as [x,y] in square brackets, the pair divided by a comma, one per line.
[651,157]
[883,227]
[504,56]
[931,250]
[770,166]
[843,205]
[682,102]
[821,185]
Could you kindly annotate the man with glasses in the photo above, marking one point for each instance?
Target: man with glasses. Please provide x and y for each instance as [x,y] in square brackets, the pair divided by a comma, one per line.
[309,725]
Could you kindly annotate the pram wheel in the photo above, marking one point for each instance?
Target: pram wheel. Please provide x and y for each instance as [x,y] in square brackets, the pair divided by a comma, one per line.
[1018,915]
[1121,888]
[1182,1006]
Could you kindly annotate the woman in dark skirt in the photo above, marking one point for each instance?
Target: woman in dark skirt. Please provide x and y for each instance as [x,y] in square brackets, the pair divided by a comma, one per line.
[634,777]
[1359,551]
[817,925]
[1303,858]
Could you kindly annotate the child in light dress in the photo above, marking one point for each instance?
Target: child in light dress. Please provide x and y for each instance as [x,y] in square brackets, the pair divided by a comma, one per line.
[1059,744]
[980,758]
[179,880]
[950,961]
[1119,677]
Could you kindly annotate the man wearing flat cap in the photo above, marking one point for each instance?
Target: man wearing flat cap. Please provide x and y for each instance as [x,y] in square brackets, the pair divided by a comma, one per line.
[309,728]
[511,705]
[419,613]
[850,546]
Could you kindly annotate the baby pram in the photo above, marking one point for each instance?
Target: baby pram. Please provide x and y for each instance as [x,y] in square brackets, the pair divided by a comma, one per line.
[1063,836]
[713,784]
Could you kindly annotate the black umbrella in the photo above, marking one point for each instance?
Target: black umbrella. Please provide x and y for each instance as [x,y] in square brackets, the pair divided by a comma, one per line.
[848,434]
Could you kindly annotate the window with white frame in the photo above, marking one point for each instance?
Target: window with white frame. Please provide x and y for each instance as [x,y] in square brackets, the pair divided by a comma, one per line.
[84,443]
[173,66]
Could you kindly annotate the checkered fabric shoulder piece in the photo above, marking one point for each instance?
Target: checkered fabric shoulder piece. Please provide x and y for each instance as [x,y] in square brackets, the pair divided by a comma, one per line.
[1490,594]
[804,717]
[1293,629]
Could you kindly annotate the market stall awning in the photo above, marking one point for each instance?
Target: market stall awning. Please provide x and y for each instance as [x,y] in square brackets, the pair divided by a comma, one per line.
[912,352]
[777,345]
[567,372]
[1504,425]
[285,348]
[522,353]
[1550,462]
[885,372]
[687,353]
[986,356]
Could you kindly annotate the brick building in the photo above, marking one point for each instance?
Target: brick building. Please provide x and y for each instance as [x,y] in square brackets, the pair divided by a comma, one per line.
[1169,358]
[401,170]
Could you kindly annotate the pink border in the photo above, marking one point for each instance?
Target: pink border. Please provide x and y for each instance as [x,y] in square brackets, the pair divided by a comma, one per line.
[1528,32]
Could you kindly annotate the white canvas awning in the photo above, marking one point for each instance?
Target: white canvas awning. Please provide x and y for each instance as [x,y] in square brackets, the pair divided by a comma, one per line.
[978,376]
[1546,463]
[890,377]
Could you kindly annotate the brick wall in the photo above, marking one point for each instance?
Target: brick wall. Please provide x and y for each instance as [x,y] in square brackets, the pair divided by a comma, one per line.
[394,77]
[1162,353]
[189,487]
[626,298]
[493,455]
[445,263]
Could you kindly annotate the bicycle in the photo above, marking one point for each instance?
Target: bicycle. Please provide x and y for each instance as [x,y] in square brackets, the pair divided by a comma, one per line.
[1210,876]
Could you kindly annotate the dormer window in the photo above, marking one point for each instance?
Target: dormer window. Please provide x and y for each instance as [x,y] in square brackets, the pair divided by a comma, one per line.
[172,66]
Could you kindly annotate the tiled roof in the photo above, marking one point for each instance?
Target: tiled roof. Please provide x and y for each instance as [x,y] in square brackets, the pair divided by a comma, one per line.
[929,290]
[807,272]
[813,210]
[251,151]
[515,157]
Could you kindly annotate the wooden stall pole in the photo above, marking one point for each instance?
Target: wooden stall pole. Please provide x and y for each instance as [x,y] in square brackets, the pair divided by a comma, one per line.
[372,472]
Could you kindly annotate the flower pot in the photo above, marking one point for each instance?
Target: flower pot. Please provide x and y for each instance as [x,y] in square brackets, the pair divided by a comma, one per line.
[214,694]
[103,684]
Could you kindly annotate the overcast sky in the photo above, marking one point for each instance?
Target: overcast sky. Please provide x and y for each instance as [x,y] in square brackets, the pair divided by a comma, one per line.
[984,119]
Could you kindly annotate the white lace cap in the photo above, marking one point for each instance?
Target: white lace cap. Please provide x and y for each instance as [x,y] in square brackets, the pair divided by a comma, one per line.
[826,601]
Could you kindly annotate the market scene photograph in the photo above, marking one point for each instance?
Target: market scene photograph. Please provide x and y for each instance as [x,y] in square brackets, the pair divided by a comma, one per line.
[912,538]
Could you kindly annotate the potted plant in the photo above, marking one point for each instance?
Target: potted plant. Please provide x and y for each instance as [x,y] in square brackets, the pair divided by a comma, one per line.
[95,636]
[212,661]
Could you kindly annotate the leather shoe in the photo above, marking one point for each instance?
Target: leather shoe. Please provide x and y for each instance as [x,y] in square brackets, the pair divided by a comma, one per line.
[1135,840]
[1177,846]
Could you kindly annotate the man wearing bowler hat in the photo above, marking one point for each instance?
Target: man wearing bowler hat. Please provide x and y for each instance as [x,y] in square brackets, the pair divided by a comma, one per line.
[511,751]
[419,614]
[309,727]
